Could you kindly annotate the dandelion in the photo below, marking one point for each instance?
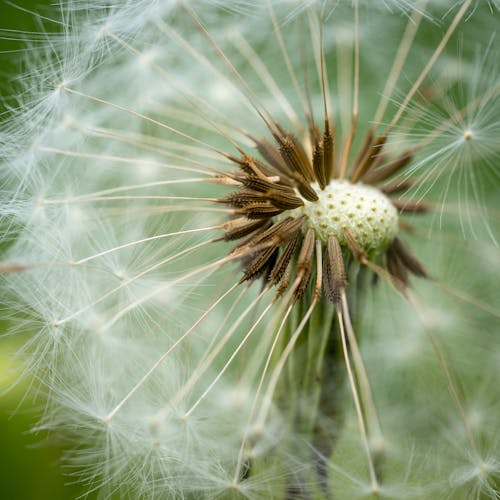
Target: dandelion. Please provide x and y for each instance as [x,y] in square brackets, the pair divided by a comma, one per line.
[254,247]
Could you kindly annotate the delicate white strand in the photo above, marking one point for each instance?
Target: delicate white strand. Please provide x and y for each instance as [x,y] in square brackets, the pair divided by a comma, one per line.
[144,240]
[460,14]
[235,352]
[361,375]
[357,404]
[258,391]
[133,279]
[291,343]
[218,348]
[399,60]
[452,389]
[120,159]
[164,356]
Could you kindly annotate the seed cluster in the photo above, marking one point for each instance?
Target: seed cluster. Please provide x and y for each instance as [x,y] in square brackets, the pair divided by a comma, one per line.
[290,199]
[363,210]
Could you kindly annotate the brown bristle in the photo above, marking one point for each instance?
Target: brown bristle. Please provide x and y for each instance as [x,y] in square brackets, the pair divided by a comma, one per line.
[328,153]
[284,261]
[295,157]
[276,234]
[368,160]
[333,271]
[364,148]
[257,265]
[408,259]
[397,269]
[318,165]
[380,174]
[356,249]
[244,229]
[411,206]
[306,190]
[304,263]
[272,155]
[259,210]
[262,185]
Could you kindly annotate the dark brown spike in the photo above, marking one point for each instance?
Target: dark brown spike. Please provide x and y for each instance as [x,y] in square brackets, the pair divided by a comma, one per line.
[284,261]
[239,231]
[257,265]
[397,269]
[285,281]
[248,199]
[370,156]
[365,147]
[276,234]
[266,271]
[374,176]
[250,167]
[284,200]
[259,210]
[329,153]
[408,259]
[294,156]
[272,155]
[356,249]
[411,206]
[262,185]
[407,227]
[314,134]
[305,189]
[334,278]
[271,171]
[304,263]
[318,165]
[241,199]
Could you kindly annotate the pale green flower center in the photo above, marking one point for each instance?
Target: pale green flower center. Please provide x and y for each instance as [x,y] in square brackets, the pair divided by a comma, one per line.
[365,211]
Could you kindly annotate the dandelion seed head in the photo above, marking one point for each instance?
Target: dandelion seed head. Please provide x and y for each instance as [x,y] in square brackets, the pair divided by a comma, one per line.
[211,204]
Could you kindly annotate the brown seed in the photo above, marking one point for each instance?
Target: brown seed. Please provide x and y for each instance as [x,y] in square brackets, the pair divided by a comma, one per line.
[375,176]
[257,265]
[408,259]
[304,263]
[334,278]
[328,152]
[397,269]
[355,248]
[369,158]
[294,156]
[242,228]
[284,261]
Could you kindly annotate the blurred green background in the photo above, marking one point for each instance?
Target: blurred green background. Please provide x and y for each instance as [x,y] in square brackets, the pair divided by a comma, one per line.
[29,462]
